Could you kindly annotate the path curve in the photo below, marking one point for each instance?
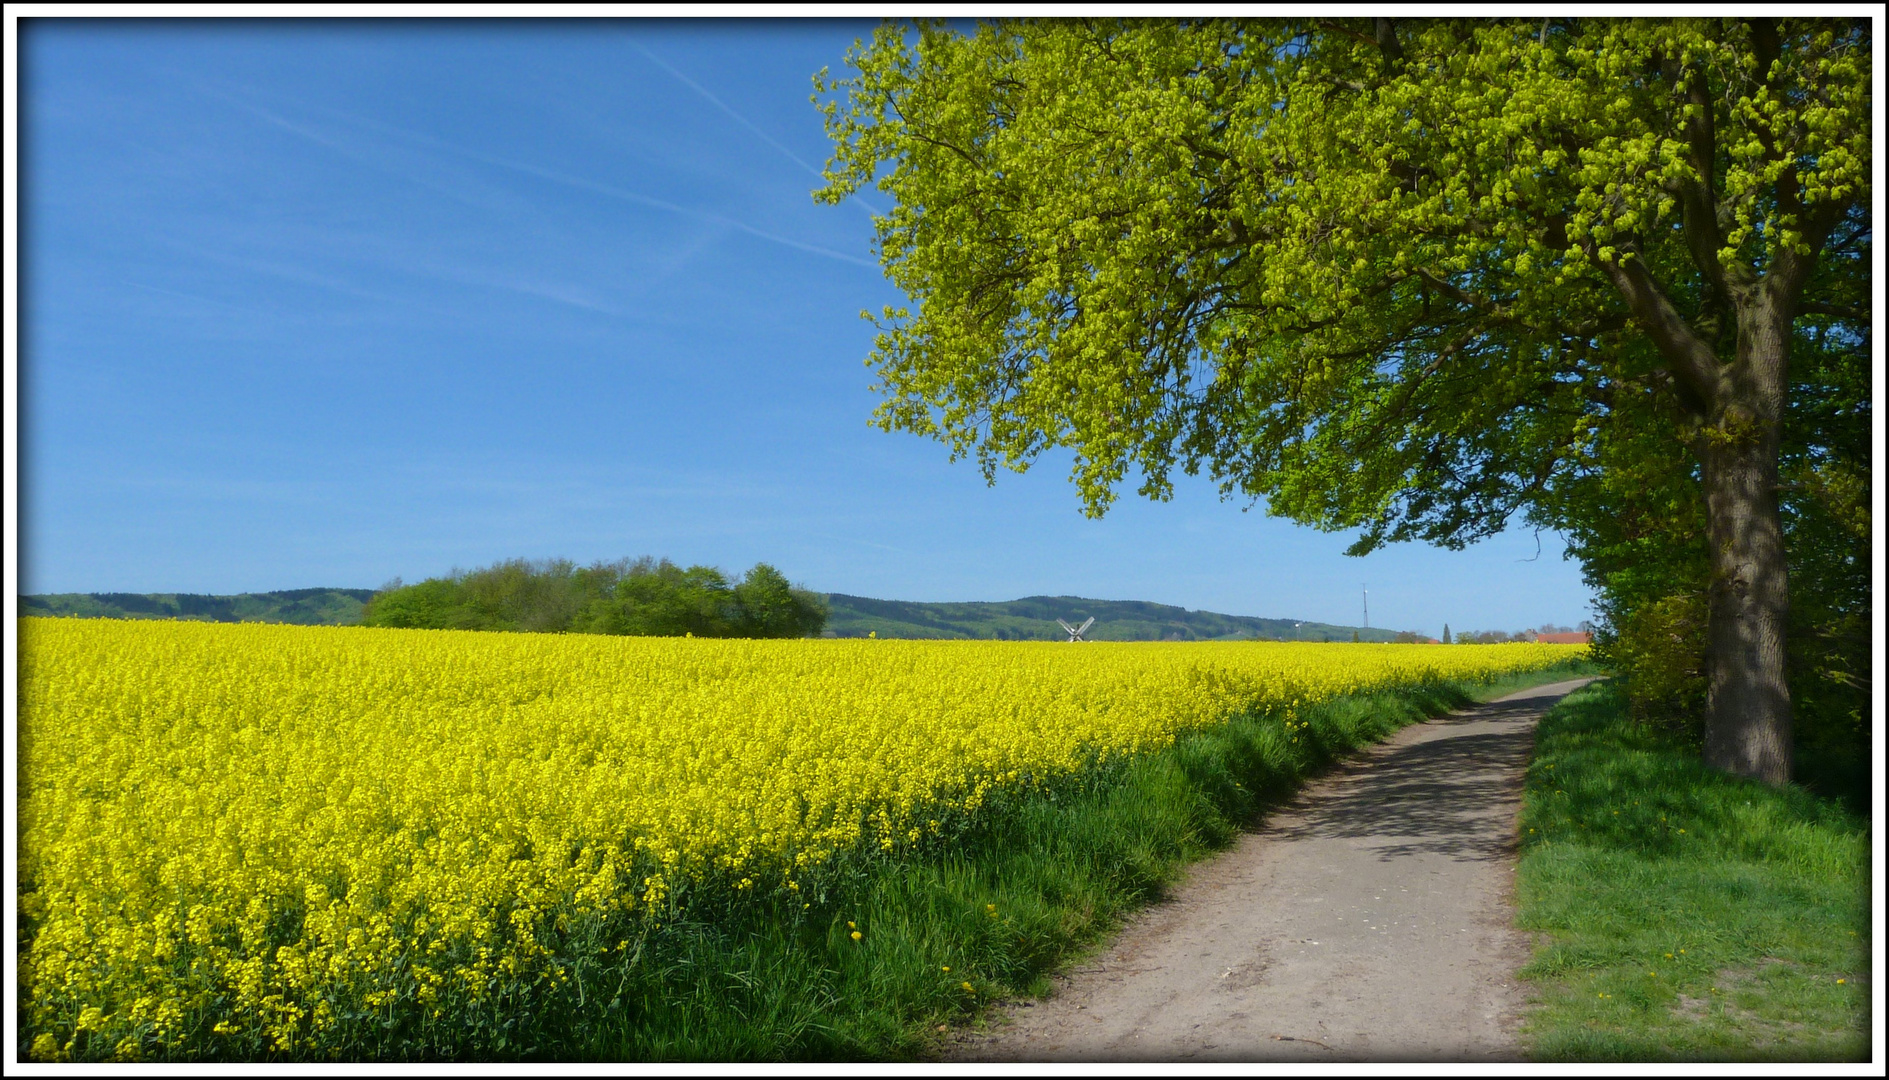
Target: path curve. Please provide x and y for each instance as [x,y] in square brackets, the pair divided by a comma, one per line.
[1370,919]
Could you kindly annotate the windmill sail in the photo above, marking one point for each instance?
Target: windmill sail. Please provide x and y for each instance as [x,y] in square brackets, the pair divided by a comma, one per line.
[1075,632]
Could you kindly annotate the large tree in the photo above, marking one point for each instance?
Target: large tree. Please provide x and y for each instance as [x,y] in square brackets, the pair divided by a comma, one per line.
[1400,276]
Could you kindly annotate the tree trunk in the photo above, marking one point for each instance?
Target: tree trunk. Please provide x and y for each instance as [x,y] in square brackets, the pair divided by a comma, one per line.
[1748,703]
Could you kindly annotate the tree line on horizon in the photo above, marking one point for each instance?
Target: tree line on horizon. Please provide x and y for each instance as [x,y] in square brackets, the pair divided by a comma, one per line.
[847,616]
[647,597]
[1497,637]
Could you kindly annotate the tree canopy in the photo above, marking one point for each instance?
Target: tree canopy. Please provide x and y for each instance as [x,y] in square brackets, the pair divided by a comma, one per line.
[1417,278]
[646,597]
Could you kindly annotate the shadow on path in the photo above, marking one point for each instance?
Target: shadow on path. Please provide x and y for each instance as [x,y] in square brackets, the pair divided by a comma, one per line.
[1436,795]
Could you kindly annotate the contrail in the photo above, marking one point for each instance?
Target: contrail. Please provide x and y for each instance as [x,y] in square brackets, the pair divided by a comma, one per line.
[183,295]
[542,173]
[636,197]
[740,119]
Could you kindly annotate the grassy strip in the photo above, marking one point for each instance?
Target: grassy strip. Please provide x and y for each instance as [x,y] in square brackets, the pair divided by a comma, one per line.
[1689,916]
[880,964]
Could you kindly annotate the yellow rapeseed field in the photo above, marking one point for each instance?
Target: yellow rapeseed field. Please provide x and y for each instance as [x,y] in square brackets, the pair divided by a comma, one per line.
[266,827]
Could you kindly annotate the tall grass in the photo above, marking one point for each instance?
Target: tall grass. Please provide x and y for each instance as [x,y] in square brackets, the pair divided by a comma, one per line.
[1688,915]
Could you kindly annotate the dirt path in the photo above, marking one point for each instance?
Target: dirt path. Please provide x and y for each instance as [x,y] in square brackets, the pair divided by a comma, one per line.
[1369,920]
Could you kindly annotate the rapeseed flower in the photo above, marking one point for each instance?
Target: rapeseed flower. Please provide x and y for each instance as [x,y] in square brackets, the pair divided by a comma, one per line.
[292,824]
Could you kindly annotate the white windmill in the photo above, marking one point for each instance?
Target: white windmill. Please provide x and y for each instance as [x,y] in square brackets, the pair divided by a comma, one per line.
[1075,632]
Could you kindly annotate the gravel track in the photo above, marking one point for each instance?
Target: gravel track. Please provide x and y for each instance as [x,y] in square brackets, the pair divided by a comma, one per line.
[1370,919]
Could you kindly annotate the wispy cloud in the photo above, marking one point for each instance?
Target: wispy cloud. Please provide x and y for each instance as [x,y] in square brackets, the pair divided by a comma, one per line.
[742,120]
[554,176]
[539,288]
[189,296]
[857,540]
[362,155]
[284,271]
[612,191]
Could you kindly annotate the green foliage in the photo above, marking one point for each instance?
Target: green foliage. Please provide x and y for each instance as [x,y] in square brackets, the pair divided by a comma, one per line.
[1688,915]
[1659,647]
[1369,285]
[431,604]
[1828,462]
[1414,277]
[644,597]
[661,599]
[766,606]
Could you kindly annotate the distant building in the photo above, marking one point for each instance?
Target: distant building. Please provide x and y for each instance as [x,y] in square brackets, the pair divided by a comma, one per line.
[1571,637]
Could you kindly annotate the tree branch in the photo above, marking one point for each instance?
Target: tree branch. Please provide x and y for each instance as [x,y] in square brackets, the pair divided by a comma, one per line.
[1467,299]
[1790,270]
[1386,33]
[1818,307]
[1698,200]
[1694,365]
[1333,28]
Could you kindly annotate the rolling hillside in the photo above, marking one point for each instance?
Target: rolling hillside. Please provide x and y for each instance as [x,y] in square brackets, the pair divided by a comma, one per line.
[1033,619]
[306,607]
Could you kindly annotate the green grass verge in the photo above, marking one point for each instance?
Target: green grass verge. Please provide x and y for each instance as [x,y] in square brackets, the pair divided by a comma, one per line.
[1686,915]
[990,914]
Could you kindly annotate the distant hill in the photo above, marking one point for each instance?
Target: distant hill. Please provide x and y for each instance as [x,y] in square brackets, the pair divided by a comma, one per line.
[1033,618]
[306,607]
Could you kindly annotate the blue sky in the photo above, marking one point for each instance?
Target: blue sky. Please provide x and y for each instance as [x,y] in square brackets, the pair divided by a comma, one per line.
[322,304]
